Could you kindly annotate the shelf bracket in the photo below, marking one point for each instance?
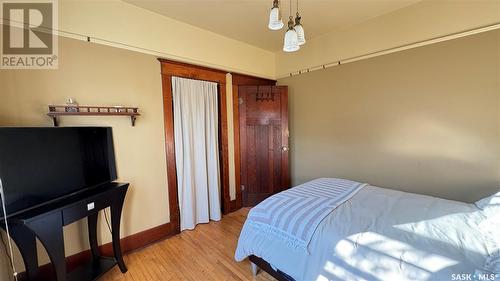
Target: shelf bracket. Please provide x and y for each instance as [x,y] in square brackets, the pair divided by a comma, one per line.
[56,121]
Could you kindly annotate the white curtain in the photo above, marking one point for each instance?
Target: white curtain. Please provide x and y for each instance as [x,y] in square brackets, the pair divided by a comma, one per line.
[196,151]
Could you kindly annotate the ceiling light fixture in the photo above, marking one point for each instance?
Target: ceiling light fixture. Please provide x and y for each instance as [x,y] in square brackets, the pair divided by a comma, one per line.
[291,42]
[275,22]
[299,28]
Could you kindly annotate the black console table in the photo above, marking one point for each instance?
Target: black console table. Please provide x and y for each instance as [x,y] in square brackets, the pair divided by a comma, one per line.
[46,223]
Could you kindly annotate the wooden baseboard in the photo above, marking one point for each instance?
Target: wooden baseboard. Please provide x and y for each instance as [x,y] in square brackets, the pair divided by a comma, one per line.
[128,244]
[141,239]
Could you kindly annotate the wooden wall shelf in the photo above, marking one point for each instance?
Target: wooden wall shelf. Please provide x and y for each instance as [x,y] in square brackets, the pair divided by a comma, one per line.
[55,111]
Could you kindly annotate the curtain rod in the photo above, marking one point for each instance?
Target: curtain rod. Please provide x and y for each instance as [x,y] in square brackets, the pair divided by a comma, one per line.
[160,54]
[416,44]
[394,49]
[116,44]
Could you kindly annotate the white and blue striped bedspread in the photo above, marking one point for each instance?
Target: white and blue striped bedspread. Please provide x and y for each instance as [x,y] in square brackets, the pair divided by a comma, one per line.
[294,214]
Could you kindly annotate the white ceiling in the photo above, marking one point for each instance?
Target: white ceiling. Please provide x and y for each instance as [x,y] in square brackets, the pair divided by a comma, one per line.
[246,20]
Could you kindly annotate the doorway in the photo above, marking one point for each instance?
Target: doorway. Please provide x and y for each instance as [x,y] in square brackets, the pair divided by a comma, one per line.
[171,69]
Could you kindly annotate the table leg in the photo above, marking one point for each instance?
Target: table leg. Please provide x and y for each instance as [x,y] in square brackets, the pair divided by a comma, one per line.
[116,212]
[26,243]
[50,232]
[92,226]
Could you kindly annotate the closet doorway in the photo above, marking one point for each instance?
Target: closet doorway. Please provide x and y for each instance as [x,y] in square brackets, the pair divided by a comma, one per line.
[207,77]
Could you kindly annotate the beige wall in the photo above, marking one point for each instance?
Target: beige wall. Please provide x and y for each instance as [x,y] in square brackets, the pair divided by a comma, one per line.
[423,21]
[100,75]
[424,147]
[426,120]
[117,21]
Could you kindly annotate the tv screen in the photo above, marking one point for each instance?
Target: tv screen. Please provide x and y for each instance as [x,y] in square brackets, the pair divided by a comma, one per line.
[40,165]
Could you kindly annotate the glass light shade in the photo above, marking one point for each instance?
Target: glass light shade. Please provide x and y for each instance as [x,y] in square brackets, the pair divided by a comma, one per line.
[291,43]
[275,22]
[300,34]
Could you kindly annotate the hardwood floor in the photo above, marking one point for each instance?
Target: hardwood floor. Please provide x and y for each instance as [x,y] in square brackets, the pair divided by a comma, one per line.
[206,253]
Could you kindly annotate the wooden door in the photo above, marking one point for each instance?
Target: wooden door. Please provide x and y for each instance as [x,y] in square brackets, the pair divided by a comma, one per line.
[263,116]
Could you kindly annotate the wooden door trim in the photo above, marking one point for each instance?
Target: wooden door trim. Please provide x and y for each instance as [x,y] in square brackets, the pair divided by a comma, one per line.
[247,80]
[236,147]
[178,69]
[241,80]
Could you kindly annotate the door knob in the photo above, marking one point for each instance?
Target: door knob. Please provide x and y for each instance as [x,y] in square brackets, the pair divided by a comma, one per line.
[285,148]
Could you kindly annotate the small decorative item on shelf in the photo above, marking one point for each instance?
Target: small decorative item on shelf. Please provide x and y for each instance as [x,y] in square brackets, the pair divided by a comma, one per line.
[72,105]
[73,109]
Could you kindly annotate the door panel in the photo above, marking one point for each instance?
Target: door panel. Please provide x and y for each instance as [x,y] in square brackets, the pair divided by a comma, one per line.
[263,113]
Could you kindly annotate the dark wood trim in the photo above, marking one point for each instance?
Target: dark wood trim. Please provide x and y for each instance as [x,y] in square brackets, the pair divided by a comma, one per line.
[237,150]
[190,66]
[128,244]
[142,239]
[168,114]
[247,80]
[179,69]
[241,80]
[185,70]
[225,148]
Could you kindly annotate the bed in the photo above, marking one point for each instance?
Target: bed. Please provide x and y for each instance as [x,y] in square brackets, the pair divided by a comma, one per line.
[381,234]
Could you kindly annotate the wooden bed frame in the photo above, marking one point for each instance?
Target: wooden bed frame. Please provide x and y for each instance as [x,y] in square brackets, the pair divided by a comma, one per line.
[258,263]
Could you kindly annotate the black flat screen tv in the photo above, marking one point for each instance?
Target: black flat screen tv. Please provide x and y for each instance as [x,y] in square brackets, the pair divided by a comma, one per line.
[42,165]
